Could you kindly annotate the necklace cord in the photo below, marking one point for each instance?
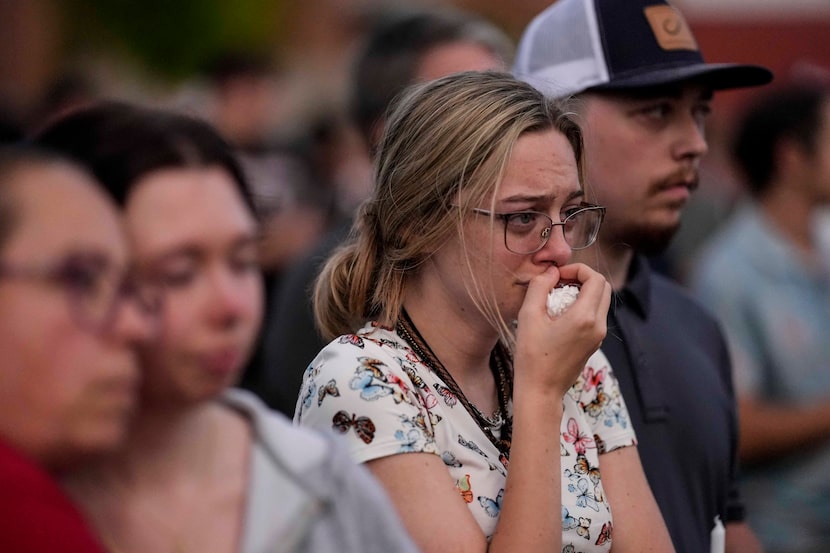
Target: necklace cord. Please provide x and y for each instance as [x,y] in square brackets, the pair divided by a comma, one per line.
[499,363]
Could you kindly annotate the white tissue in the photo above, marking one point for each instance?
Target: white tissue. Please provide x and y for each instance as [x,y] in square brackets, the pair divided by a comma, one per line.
[560,299]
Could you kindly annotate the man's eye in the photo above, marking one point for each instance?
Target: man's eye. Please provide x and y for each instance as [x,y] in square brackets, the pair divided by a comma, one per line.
[701,112]
[657,111]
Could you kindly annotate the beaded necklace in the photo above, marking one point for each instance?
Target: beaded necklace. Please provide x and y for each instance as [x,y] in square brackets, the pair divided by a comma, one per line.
[499,361]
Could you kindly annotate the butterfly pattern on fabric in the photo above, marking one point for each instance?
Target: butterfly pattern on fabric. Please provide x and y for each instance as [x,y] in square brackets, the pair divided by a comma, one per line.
[582,470]
[330,389]
[363,426]
[353,339]
[449,459]
[581,525]
[372,382]
[464,488]
[575,436]
[492,506]
[448,395]
[390,403]
[605,534]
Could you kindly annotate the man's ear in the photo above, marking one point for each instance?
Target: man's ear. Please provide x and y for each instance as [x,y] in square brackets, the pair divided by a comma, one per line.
[791,157]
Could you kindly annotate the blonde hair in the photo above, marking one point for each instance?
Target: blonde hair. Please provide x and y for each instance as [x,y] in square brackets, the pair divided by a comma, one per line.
[445,147]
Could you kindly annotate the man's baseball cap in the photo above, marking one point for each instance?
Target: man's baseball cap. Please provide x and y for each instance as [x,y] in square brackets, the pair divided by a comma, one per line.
[576,45]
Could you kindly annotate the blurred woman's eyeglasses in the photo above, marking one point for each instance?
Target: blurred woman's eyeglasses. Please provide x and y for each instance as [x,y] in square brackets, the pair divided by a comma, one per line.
[93,287]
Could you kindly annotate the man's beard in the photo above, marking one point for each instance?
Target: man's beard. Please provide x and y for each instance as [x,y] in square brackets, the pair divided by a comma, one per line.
[653,239]
[647,239]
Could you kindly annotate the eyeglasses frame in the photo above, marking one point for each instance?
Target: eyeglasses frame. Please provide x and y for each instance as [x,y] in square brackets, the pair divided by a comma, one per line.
[55,274]
[545,235]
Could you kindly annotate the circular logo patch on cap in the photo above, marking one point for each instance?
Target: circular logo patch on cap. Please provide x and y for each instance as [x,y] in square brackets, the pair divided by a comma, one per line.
[669,28]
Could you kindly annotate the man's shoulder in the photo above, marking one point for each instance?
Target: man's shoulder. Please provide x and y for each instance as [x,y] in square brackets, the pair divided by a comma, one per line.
[669,295]
[677,317]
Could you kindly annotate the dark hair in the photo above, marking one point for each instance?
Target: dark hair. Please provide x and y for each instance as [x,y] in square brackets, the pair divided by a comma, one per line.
[15,158]
[793,112]
[120,143]
[11,129]
[393,51]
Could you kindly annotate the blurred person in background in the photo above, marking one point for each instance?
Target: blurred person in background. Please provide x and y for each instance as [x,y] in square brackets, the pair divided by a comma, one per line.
[766,275]
[643,92]
[290,202]
[402,49]
[11,129]
[206,467]
[67,91]
[291,194]
[70,320]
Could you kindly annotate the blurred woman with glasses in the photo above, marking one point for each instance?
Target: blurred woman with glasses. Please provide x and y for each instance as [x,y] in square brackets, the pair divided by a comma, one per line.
[207,468]
[488,420]
[70,322]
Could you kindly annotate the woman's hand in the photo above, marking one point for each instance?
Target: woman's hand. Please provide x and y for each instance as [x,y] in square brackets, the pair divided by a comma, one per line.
[550,353]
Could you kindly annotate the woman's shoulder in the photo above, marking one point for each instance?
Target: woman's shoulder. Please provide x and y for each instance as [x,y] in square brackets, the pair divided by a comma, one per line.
[300,450]
[373,351]
[371,339]
[297,448]
[324,496]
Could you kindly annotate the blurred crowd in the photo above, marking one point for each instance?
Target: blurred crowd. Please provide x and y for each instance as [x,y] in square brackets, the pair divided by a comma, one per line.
[308,173]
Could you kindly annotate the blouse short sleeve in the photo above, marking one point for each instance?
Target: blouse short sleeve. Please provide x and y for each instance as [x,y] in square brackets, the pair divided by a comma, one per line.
[363,388]
[598,395]
[594,421]
[372,388]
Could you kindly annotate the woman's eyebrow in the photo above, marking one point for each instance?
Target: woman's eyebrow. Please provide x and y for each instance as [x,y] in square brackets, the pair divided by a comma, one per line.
[549,198]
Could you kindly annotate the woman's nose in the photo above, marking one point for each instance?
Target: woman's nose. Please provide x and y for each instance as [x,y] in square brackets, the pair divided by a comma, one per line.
[556,249]
[234,297]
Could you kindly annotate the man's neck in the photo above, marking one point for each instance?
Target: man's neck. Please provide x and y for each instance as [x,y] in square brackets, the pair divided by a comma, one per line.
[609,258]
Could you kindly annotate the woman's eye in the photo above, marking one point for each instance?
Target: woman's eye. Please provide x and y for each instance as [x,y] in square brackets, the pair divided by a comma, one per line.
[81,279]
[175,277]
[245,260]
[521,221]
[524,218]
[245,263]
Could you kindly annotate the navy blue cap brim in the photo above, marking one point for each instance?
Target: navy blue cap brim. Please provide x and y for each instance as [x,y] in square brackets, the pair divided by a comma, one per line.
[716,76]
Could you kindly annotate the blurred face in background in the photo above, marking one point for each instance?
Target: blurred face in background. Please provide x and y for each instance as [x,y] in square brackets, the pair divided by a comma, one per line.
[193,235]
[68,331]
[816,168]
[454,57]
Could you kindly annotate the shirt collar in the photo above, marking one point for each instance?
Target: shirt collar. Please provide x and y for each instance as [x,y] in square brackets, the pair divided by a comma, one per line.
[637,290]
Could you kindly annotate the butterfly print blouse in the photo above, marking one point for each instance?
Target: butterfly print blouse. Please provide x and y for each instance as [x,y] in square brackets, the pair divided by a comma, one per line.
[371,388]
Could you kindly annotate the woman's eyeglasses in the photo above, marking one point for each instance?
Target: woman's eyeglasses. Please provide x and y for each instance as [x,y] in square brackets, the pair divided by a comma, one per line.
[527,232]
[93,288]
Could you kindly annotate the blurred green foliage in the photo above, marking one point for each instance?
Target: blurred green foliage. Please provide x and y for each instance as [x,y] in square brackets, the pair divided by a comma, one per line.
[174,38]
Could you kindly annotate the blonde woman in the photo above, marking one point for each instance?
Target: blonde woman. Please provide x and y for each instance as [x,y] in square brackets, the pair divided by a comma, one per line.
[494,426]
